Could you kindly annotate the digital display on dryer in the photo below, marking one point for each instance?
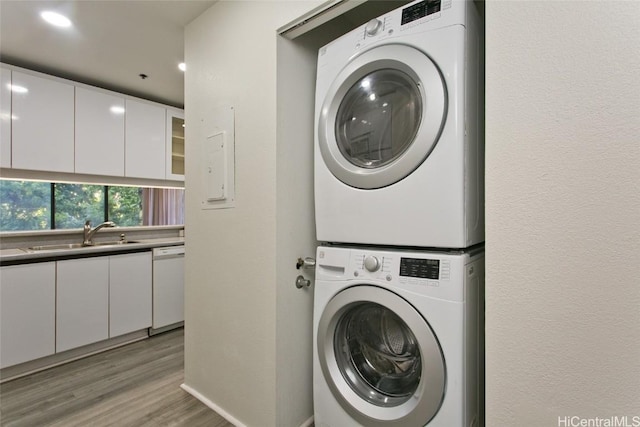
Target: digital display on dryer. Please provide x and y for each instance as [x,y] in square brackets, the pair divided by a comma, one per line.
[420,268]
[419,10]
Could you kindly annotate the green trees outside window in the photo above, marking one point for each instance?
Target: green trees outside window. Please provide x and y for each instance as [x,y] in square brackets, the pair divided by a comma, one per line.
[76,203]
[31,205]
[125,206]
[25,205]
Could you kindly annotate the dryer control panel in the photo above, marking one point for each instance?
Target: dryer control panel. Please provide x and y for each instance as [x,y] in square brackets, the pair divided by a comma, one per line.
[415,17]
[421,9]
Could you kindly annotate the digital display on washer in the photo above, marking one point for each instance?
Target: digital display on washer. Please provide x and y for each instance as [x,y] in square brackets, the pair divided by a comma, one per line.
[420,267]
[419,10]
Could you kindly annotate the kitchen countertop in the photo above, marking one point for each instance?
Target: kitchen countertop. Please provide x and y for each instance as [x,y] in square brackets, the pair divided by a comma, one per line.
[21,256]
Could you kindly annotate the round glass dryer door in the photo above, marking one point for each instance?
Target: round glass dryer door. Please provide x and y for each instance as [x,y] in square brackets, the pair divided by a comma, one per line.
[382,116]
[380,358]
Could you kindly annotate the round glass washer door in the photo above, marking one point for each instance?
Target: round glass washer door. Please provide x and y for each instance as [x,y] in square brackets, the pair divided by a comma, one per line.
[382,116]
[380,358]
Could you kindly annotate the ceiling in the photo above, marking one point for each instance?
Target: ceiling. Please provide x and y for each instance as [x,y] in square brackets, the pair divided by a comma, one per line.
[110,43]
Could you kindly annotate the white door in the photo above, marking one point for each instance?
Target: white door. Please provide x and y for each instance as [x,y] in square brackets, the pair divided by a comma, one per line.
[380,357]
[382,116]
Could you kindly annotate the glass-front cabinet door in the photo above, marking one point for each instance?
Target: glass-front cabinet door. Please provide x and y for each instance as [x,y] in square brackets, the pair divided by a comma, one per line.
[175,145]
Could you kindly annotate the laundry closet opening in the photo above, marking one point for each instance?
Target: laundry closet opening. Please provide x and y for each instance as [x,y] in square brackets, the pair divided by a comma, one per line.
[297,53]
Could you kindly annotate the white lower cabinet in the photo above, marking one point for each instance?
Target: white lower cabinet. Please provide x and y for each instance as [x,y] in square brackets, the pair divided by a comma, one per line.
[129,293]
[51,307]
[27,312]
[82,315]
[101,298]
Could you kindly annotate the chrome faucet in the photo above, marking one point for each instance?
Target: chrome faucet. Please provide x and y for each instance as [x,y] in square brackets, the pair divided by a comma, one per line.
[88,232]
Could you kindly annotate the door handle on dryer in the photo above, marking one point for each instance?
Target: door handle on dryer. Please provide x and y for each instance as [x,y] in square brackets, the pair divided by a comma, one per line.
[308,262]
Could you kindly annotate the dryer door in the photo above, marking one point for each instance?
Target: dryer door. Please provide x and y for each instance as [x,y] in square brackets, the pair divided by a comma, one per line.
[382,116]
[380,358]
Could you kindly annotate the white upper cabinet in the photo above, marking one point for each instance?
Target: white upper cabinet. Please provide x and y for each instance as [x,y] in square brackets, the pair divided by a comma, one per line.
[99,124]
[145,140]
[175,144]
[5,118]
[50,124]
[42,123]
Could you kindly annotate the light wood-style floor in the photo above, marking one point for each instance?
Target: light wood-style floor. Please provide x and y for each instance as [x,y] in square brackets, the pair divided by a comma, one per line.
[135,385]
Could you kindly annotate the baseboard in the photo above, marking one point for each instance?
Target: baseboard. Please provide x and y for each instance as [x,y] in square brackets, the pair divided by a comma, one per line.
[308,423]
[164,329]
[224,414]
[16,371]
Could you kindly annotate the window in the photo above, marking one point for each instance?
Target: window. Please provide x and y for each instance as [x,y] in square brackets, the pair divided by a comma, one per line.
[73,204]
[25,205]
[125,206]
[30,205]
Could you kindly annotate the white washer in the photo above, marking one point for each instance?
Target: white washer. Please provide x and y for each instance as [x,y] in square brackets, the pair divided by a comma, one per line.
[398,338]
[399,155]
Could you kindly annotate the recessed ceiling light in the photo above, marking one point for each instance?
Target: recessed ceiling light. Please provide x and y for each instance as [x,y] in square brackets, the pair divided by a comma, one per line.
[182,66]
[56,19]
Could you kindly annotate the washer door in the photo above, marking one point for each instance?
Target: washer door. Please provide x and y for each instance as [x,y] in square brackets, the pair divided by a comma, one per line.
[380,358]
[382,116]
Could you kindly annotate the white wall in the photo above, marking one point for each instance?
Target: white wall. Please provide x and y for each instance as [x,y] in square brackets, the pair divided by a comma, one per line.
[563,211]
[238,270]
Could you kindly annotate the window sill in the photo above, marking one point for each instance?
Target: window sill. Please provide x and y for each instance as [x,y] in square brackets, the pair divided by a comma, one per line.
[18,239]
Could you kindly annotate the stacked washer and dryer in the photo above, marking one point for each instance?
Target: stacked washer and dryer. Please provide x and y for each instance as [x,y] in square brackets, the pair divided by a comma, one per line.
[399,163]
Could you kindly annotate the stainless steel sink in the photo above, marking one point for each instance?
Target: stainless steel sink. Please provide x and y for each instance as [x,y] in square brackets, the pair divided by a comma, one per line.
[67,246]
[55,247]
[114,243]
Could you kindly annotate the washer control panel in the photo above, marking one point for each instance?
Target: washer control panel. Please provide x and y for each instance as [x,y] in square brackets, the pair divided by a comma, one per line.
[403,269]
[439,274]
[420,268]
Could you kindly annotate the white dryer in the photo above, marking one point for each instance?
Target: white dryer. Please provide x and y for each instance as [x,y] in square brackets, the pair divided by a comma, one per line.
[399,155]
[398,338]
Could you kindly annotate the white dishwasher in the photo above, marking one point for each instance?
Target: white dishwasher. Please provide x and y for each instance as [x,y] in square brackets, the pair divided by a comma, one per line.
[168,288]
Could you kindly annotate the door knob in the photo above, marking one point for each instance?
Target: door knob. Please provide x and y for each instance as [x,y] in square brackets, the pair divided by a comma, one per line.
[301,282]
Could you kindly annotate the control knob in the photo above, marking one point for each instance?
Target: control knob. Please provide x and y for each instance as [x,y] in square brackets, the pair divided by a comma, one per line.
[372,27]
[371,263]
